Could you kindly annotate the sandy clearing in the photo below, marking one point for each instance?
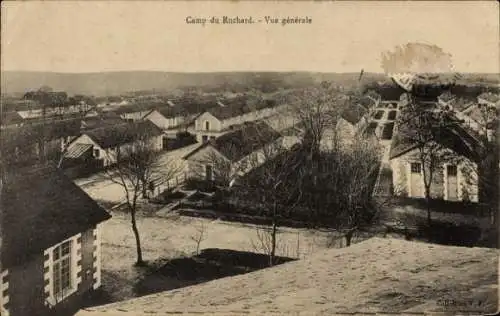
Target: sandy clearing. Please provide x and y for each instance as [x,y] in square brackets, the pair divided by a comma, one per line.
[168,238]
[101,188]
[377,275]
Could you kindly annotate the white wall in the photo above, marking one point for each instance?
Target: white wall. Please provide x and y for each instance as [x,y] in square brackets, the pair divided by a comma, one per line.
[97,256]
[467,179]
[164,122]
[215,123]
[4,292]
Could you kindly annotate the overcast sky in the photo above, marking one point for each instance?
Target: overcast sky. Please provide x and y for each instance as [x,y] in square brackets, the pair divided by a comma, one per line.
[343,36]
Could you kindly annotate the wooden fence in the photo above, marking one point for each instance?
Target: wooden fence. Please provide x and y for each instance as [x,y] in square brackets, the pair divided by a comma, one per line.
[173,183]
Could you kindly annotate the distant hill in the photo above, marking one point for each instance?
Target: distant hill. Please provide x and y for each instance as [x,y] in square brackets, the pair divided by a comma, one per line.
[116,83]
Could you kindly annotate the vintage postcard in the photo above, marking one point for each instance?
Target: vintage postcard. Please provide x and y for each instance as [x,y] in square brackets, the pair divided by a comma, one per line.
[249,158]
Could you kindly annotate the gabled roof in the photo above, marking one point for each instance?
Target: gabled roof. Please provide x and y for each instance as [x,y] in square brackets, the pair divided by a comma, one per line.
[41,207]
[241,142]
[455,138]
[116,135]
[354,113]
[99,121]
[239,106]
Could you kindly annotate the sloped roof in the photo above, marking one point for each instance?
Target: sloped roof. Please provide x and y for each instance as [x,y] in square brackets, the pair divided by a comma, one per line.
[77,150]
[242,142]
[100,121]
[378,275]
[455,138]
[115,135]
[239,106]
[42,207]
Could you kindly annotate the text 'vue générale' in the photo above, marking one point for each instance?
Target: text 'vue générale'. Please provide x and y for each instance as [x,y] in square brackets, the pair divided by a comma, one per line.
[289,20]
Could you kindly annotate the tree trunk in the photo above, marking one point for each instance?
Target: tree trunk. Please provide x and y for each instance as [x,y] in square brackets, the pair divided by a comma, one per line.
[273,237]
[139,261]
[348,237]
[428,206]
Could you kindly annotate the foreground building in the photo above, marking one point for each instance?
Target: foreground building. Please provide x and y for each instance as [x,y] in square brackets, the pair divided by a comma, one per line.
[50,251]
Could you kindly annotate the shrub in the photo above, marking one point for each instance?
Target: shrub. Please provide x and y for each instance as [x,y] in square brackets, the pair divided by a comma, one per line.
[449,234]
[200,185]
[167,197]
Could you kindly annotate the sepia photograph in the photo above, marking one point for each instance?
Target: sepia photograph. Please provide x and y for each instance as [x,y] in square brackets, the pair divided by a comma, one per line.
[249,158]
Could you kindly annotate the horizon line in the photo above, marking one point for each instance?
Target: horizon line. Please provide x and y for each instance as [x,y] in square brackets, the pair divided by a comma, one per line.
[228,71]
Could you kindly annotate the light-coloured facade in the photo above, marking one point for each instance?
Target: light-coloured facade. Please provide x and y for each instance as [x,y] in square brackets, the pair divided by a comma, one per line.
[452,180]
[164,122]
[108,155]
[208,126]
[208,163]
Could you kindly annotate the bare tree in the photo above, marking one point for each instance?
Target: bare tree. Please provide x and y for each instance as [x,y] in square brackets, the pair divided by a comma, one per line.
[425,127]
[200,235]
[317,109]
[137,164]
[338,186]
[273,183]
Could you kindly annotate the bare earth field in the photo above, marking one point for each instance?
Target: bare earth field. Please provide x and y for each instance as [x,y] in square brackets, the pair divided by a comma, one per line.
[167,238]
[377,275]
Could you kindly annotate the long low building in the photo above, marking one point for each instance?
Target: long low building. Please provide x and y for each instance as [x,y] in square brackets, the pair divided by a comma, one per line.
[103,144]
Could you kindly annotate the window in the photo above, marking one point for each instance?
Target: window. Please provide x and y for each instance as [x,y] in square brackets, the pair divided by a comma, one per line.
[62,273]
[416,167]
[207,125]
[212,137]
[204,138]
[451,170]
[96,153]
